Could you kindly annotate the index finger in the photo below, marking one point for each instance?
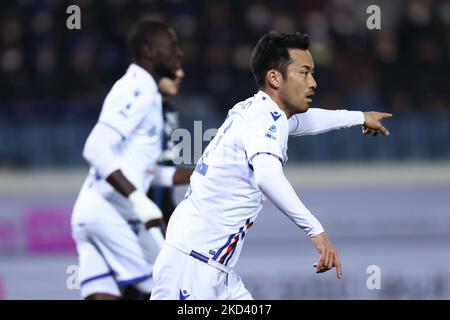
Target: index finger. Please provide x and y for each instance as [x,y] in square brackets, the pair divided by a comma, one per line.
[338,266]
[384,115]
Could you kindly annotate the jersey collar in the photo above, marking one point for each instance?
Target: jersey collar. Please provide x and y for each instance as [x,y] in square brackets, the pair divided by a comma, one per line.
[143,76]
[262,96]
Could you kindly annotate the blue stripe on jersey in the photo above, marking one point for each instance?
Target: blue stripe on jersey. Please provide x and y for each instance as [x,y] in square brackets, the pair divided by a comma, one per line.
[100,276]
[247,223]
[269,153]
[199,256]
[123,113]
[225,262]
[218,253]
[134,221]
[134,280]
[114,128]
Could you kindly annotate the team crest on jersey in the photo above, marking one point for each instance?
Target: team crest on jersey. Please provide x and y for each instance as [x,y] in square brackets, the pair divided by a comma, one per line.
[272,133]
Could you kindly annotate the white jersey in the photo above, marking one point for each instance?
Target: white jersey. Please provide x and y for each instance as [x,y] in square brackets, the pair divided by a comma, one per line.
[133,108]
[223,199]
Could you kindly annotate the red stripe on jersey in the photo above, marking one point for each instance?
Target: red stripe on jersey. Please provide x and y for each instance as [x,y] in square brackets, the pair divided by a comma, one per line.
[230,248]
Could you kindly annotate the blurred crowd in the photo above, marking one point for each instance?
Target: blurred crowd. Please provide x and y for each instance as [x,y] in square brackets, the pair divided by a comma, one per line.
[48,72]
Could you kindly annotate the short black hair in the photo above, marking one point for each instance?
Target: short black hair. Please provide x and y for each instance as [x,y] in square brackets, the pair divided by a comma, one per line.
[145,32]
[271,52]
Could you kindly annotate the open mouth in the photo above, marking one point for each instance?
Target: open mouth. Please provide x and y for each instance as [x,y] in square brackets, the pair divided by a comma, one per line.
[310,96]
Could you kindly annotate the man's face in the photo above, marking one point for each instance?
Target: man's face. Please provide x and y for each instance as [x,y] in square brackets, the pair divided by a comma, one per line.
[168,55]
[170,87]
[298,85]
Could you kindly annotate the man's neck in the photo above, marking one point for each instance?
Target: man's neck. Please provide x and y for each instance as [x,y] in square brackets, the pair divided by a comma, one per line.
[273,94]
[149,68]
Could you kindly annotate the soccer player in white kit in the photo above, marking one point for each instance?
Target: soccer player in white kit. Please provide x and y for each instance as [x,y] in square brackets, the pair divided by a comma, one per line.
[112,212]
[242,166]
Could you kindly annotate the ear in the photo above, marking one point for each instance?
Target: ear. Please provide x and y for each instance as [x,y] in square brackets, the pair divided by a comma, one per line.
[148,52]
[273,78]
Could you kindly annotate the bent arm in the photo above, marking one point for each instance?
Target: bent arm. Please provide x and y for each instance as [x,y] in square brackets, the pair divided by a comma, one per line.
[272,182]
[98,152]
[317,121]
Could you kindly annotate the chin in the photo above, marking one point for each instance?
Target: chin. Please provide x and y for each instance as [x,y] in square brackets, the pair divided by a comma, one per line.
[172,93]
[303,109]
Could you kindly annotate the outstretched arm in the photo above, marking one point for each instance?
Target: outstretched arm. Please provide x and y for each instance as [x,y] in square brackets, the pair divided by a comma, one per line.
[270,179]
[317,121]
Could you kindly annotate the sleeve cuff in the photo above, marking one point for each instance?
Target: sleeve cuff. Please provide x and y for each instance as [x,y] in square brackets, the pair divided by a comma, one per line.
[314,231]
[269,153]
[360,118]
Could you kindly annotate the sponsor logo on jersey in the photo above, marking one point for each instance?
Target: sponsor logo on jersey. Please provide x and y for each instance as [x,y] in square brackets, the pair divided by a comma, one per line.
[275,115]
[184,295]
[271,133]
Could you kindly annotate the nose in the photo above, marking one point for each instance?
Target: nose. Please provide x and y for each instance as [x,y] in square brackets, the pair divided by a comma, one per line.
[180,74]
[312,83]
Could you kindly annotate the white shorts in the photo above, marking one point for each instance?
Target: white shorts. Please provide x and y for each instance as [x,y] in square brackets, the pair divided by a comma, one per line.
[115,255]
[179,276]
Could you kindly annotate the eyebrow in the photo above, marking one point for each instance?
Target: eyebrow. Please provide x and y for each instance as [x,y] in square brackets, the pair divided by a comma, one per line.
[307,67]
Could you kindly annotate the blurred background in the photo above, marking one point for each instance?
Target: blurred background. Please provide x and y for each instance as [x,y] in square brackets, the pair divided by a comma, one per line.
[384,201]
